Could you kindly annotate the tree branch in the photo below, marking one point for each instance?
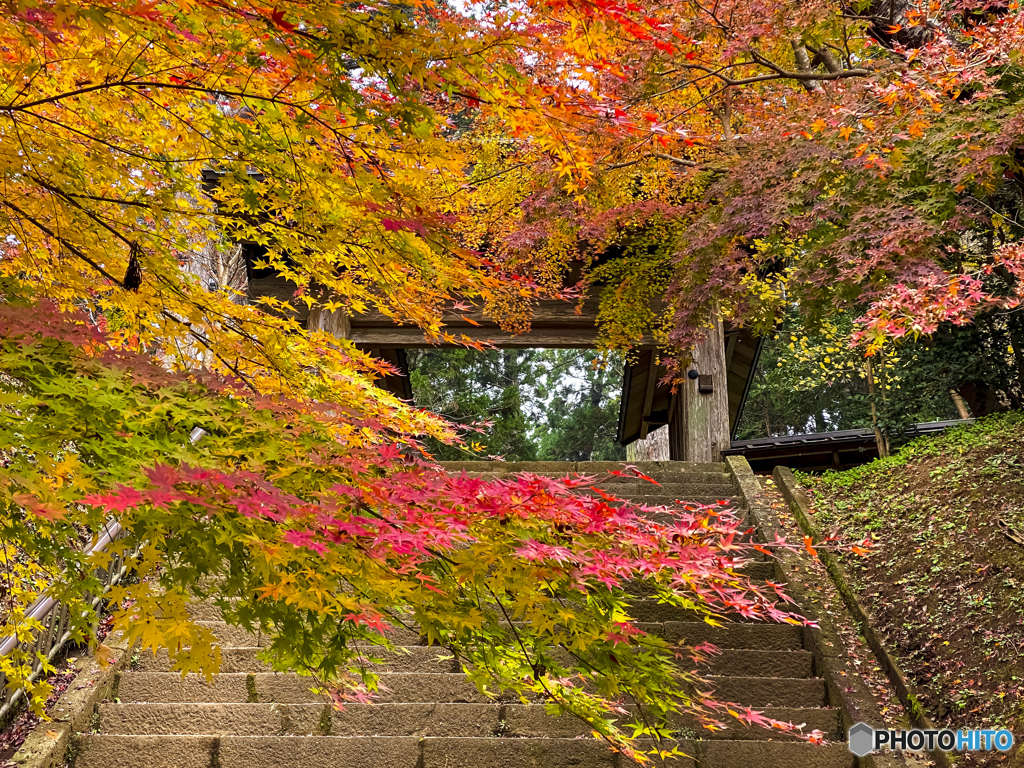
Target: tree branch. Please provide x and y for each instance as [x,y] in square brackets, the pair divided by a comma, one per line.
[660,155]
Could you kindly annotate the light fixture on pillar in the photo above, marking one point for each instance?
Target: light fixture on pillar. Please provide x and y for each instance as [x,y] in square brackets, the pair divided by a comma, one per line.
[705,385]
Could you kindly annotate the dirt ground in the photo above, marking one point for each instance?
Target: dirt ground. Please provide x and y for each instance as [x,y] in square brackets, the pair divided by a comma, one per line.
[945,580]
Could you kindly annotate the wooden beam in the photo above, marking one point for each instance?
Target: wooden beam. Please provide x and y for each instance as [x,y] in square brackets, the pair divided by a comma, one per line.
[335,323]
[407,337]
[549,312]
[730,347]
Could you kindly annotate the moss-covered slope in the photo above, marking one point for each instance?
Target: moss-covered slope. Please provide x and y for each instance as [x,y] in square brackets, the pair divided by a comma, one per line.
[945,583]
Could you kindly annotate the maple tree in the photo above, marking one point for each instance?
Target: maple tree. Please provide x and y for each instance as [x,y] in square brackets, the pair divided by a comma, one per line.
[307,522]
[862,157]
[736,156]
[320,132]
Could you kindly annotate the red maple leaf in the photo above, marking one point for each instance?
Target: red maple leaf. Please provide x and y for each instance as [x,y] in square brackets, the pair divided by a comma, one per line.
[277,17]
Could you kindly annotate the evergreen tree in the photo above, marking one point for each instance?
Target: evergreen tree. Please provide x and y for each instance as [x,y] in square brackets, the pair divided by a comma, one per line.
[582,389]
[487,390]
[551,404]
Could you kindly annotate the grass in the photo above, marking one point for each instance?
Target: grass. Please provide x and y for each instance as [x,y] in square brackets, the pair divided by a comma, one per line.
[944,584]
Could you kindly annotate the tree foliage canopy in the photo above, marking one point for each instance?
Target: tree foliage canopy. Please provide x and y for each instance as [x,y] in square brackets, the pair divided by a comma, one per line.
[862,158]
[406,158]
[305,521]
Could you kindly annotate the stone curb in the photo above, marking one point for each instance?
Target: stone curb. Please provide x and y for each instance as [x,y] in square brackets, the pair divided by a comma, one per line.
[800,505]
[48,744]
[846,689]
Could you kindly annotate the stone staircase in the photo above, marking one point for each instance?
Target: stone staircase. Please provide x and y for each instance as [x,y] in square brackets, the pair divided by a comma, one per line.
[431,717]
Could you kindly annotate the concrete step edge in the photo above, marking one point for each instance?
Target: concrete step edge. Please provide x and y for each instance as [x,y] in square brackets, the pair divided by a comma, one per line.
[744,662]
[761,692]
[409,752]
[425,719]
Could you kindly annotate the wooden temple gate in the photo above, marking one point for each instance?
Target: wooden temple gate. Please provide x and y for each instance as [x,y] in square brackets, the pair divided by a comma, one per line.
[700,416]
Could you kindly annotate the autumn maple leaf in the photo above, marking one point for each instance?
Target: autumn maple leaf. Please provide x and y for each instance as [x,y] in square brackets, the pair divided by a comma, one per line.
[277,17]
[45,510]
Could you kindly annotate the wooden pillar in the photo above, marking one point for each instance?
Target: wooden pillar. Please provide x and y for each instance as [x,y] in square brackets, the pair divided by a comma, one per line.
[699,424]
[654,447]
[334,323]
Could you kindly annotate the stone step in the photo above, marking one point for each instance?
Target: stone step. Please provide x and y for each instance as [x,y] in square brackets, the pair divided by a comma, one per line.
[480,720]
[437,660]
[659,613]
[206,614]
[664,616]
[230,636]
[673,483]
[603,478]
[413,687]
[265,687]
[764,637]
[807,693]
[104,751]
[747,635]
[176,751]
[644,488]
[404,659]
[739,517]
[659,478]
[204,610]
[730,502]
[675,487]
[748,754]
[745,662]
[708,495]
[760,571]
[755,570]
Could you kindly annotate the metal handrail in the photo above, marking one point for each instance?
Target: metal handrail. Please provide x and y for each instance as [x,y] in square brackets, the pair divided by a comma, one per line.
[54,615]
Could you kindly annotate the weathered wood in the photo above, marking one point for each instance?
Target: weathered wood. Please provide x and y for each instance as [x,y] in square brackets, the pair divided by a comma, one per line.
[279,288]
[744,349]
[335,323]
[546,312]
[654,447]
[699,430]
[730,347]
[409,337]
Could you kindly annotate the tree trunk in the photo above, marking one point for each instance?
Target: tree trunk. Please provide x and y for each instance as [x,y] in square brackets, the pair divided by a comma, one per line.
[820,425]
[1017,341]
[961,406]
[596,393]
[880,439]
